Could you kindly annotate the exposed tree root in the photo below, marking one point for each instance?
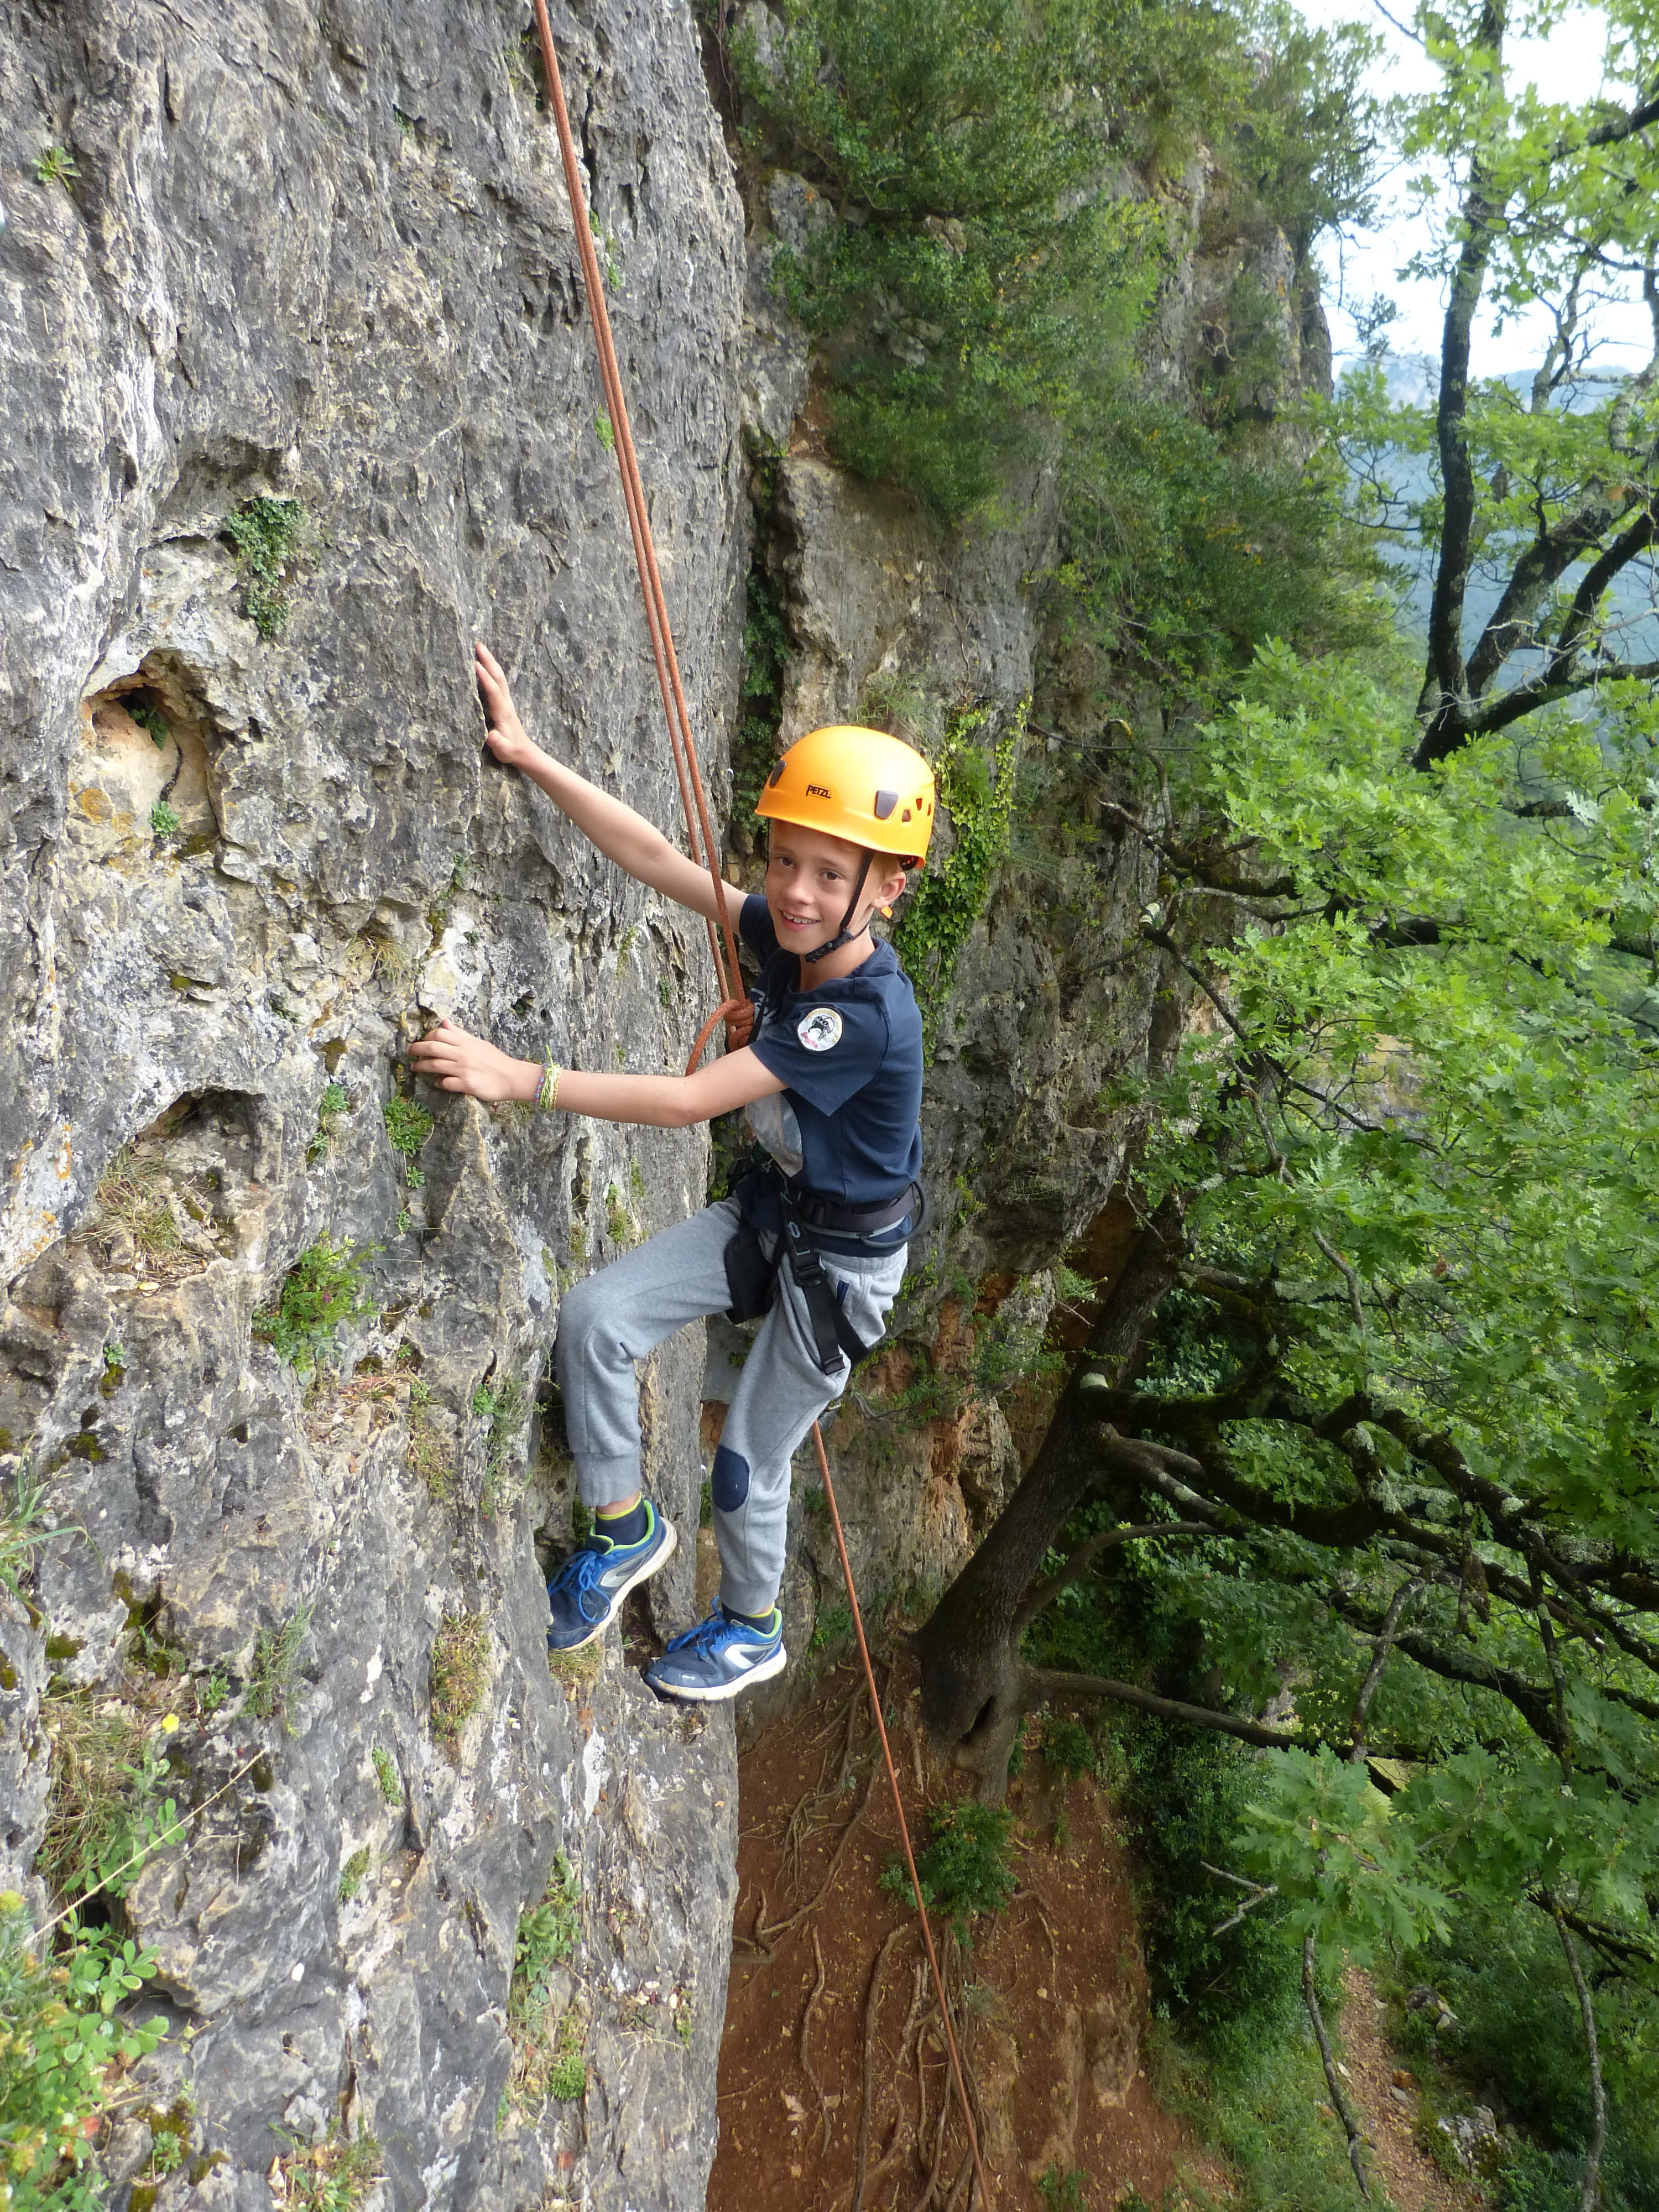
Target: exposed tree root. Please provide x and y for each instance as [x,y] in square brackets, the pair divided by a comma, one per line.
[936,2166]
[904,2137]
[806,2066]
[811,1810]
[752,1945]
[769,1934]
[871,2027]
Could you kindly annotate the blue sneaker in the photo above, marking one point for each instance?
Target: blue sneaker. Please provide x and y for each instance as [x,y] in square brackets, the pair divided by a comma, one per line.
[718,1658]
[585,1595]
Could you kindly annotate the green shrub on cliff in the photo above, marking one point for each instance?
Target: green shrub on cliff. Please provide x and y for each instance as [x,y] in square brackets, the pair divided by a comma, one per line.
[977,791]
[61,2047]
[969,269]
[267,534]
[992,243]
[322,1292]
[965,1868]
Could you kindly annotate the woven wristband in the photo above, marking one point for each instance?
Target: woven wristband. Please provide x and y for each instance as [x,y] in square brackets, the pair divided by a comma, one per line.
[548,1097]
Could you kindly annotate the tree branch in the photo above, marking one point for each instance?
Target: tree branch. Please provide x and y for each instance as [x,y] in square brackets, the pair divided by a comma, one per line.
[1512,706]
[1614,130]
[1533,1704]
[1051,1682]
[1385,1640]
[1082,1557]
[1540,567]
[1258,1894]
[1445,680]
[1310,1999]
[1591,2192]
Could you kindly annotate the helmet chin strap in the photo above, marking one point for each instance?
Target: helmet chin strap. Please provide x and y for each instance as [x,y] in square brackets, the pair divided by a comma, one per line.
[847,933]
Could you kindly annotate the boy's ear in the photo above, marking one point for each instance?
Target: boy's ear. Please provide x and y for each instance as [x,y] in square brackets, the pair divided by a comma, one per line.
[892,890]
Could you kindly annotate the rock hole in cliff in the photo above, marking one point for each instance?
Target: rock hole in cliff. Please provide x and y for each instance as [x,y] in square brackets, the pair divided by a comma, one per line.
[185,1190]
[144,778]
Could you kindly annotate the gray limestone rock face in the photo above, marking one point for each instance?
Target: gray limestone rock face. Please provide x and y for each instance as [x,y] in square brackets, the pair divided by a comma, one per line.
[301,400]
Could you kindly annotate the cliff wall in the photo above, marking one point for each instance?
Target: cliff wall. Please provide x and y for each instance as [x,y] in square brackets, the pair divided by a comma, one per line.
[300,400]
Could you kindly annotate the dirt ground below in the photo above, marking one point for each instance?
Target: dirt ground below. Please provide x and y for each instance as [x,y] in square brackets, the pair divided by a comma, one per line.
[834,2064]
[1384,2093]
[835,2085]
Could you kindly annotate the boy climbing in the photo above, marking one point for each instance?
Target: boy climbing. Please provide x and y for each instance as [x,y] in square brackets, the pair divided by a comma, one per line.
[814,1235]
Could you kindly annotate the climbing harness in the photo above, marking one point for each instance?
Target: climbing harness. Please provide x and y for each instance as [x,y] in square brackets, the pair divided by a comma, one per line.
[735,1008]
[751,1272]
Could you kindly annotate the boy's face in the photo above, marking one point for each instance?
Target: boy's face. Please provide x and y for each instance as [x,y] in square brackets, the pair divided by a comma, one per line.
[810,879]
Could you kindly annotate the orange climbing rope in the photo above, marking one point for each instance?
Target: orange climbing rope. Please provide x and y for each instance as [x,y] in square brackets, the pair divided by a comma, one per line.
[734,1007]
[904,1829]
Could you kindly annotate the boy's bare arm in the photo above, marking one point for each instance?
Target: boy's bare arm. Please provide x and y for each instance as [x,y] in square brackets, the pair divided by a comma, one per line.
[620,834]
[452,1060]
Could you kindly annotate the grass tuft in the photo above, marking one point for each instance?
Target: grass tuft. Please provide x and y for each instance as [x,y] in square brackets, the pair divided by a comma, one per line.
[106,1811]
[407,1126]
[335,1101]
[546,2057]
[275,1663]
[429,1455]
[502,1405]
[460,1672]
[129,1192]
[352,1873]
[22,1527]
[335,2175]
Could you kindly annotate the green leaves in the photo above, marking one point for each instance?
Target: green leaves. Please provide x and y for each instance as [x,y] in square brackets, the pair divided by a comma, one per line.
[322,1293]
[984,246]
[268,535]
[1419,1141]
[1322,1833]
[60,2033]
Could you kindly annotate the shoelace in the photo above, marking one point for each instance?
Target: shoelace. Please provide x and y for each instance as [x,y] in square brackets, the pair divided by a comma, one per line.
[580,1572]
[708,1636]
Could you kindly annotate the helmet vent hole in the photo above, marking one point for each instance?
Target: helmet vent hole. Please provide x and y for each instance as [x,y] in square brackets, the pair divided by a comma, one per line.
[885,802]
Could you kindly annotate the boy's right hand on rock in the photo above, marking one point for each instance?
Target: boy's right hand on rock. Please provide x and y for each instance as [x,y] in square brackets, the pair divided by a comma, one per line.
[505,736]
[451,1059]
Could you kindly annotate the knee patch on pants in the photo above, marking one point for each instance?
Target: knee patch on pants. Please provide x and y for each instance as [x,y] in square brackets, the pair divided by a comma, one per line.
[728,1481]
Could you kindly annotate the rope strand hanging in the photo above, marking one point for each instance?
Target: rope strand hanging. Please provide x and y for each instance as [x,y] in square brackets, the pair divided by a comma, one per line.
[734,1007]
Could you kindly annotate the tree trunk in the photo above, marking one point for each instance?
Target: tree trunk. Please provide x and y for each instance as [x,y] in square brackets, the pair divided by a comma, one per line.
[973,1690]
[1445,693]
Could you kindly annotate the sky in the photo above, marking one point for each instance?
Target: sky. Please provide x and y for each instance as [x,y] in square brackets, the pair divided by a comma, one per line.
[1569,62]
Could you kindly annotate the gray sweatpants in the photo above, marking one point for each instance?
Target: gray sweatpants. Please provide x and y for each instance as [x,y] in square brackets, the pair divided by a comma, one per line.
[615,1316]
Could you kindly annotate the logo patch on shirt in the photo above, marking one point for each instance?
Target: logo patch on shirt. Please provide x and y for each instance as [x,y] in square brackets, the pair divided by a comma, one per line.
[819,1029]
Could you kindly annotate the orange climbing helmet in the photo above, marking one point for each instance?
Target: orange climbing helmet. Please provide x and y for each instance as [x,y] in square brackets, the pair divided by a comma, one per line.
[873,790]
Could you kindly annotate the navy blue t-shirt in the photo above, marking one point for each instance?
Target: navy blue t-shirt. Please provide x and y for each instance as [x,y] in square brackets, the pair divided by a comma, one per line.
[847,1124]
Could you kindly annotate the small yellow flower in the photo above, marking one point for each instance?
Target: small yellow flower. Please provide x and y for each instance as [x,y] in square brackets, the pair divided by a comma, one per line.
[169,1723]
